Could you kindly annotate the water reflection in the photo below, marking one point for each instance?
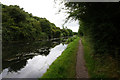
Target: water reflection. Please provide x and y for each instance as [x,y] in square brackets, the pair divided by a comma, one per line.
[29,60]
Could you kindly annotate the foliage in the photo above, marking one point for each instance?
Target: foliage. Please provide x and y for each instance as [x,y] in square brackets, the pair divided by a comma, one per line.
[71,39]
[80,31]
[75,33]
[100,22]
[64,66]
[99,66]
[20,25]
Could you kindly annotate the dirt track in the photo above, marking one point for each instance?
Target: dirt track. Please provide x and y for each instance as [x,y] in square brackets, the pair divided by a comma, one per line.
[81,70]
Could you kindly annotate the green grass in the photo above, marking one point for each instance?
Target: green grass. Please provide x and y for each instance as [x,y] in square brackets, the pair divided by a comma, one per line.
[64,66]
[101,65]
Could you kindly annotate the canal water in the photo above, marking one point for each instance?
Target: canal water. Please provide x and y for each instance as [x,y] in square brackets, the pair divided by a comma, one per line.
[29,59]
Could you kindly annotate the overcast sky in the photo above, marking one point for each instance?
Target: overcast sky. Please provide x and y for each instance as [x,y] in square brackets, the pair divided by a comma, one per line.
[45,9]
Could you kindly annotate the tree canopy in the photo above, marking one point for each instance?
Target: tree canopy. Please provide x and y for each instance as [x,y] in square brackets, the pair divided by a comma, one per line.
[99,22]
[20,25]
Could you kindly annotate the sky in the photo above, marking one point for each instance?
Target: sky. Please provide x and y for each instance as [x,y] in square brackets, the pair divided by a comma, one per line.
[45,9]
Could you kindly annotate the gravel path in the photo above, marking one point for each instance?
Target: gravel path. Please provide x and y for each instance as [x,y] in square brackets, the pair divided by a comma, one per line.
[81,70]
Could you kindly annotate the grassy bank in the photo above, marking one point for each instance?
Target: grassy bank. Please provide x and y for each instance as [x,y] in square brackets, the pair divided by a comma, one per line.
[64,65]
[100,66]
[71,39]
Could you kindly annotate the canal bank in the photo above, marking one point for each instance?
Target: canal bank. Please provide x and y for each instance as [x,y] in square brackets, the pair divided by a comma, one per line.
[65,65]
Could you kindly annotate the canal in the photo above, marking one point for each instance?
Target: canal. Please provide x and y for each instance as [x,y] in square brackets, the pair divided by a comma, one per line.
[29,59]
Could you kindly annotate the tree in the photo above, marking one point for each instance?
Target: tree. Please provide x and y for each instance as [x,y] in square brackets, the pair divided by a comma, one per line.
[100,22]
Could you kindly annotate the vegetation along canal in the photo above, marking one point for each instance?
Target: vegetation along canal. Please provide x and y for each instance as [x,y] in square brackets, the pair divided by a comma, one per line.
[29,60]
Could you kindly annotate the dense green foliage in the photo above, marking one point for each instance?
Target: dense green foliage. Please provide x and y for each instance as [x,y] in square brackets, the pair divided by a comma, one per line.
[20,25]
[64,66]
[100,22]
[99,66]
[71,39]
